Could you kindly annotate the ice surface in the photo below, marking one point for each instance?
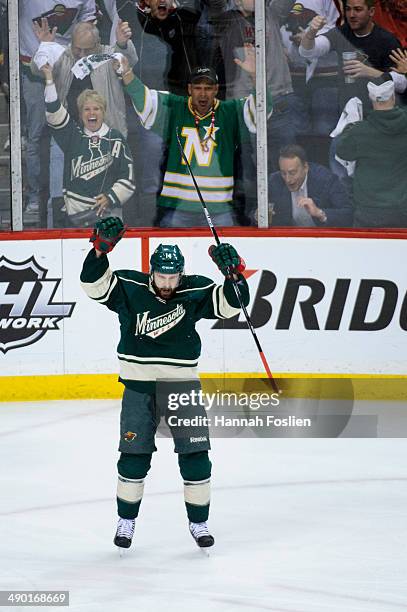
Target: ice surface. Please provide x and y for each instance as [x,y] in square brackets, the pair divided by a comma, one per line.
[300,525]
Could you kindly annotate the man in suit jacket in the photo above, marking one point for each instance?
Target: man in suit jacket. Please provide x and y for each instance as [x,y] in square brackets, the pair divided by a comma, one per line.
[306,194]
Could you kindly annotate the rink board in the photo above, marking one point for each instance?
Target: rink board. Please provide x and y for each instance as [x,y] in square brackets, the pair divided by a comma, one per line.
[322,305]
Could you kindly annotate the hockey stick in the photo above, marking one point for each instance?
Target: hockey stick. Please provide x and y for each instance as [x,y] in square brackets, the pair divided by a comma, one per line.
[230,274]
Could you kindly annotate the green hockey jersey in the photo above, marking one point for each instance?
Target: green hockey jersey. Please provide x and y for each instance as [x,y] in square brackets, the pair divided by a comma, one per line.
[158,339]
[212,164]
[94,163]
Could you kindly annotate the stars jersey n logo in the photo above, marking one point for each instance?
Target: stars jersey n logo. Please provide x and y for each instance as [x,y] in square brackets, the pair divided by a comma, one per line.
[155,326]
[202,150]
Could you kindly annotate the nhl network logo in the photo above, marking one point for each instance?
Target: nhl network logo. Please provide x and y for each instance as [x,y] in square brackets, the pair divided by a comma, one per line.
[27,311]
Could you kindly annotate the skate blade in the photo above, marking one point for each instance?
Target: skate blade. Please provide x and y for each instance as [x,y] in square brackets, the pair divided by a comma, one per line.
[122,552]
[205,550]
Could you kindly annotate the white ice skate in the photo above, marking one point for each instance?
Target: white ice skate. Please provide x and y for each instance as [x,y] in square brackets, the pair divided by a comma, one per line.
[124,533]
[201,535]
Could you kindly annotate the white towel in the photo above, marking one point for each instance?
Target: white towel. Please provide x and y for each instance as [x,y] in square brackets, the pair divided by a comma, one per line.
[352,112]
[48,53]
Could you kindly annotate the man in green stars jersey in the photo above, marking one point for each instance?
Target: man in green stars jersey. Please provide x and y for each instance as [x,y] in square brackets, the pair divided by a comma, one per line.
[209,131]
[158,313]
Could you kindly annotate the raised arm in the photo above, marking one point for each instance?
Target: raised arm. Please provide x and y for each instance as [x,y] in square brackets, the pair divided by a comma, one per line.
[399,59]
[308,43]
[148,103]
[58,118]
[220,301]
[123,42]
[249,62]
[249,104]
[97,279]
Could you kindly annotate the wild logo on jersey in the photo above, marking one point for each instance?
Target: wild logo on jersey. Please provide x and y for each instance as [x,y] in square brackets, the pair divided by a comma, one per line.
[60,17]
[98,161]
[155,326]
[201,149]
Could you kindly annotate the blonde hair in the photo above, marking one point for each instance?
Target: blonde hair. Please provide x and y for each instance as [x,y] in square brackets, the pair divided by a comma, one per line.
[90,94]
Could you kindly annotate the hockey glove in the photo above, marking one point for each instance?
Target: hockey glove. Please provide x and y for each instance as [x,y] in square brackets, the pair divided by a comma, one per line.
[227,259]
[107,233]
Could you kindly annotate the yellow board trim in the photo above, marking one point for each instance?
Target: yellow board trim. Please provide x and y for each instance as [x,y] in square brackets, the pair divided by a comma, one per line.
[106,386]
[59,387]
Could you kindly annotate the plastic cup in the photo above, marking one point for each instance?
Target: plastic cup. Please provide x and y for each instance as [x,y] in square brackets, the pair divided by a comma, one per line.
[346,56]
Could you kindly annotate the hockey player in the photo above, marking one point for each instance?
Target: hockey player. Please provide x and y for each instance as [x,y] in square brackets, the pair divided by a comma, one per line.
[158,313]
[210,131]
[98,166]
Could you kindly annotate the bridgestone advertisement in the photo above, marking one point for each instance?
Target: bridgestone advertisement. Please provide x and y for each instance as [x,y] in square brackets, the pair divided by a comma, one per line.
[318,305]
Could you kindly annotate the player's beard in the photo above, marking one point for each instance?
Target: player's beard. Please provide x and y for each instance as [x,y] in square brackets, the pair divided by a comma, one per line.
[164,294]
